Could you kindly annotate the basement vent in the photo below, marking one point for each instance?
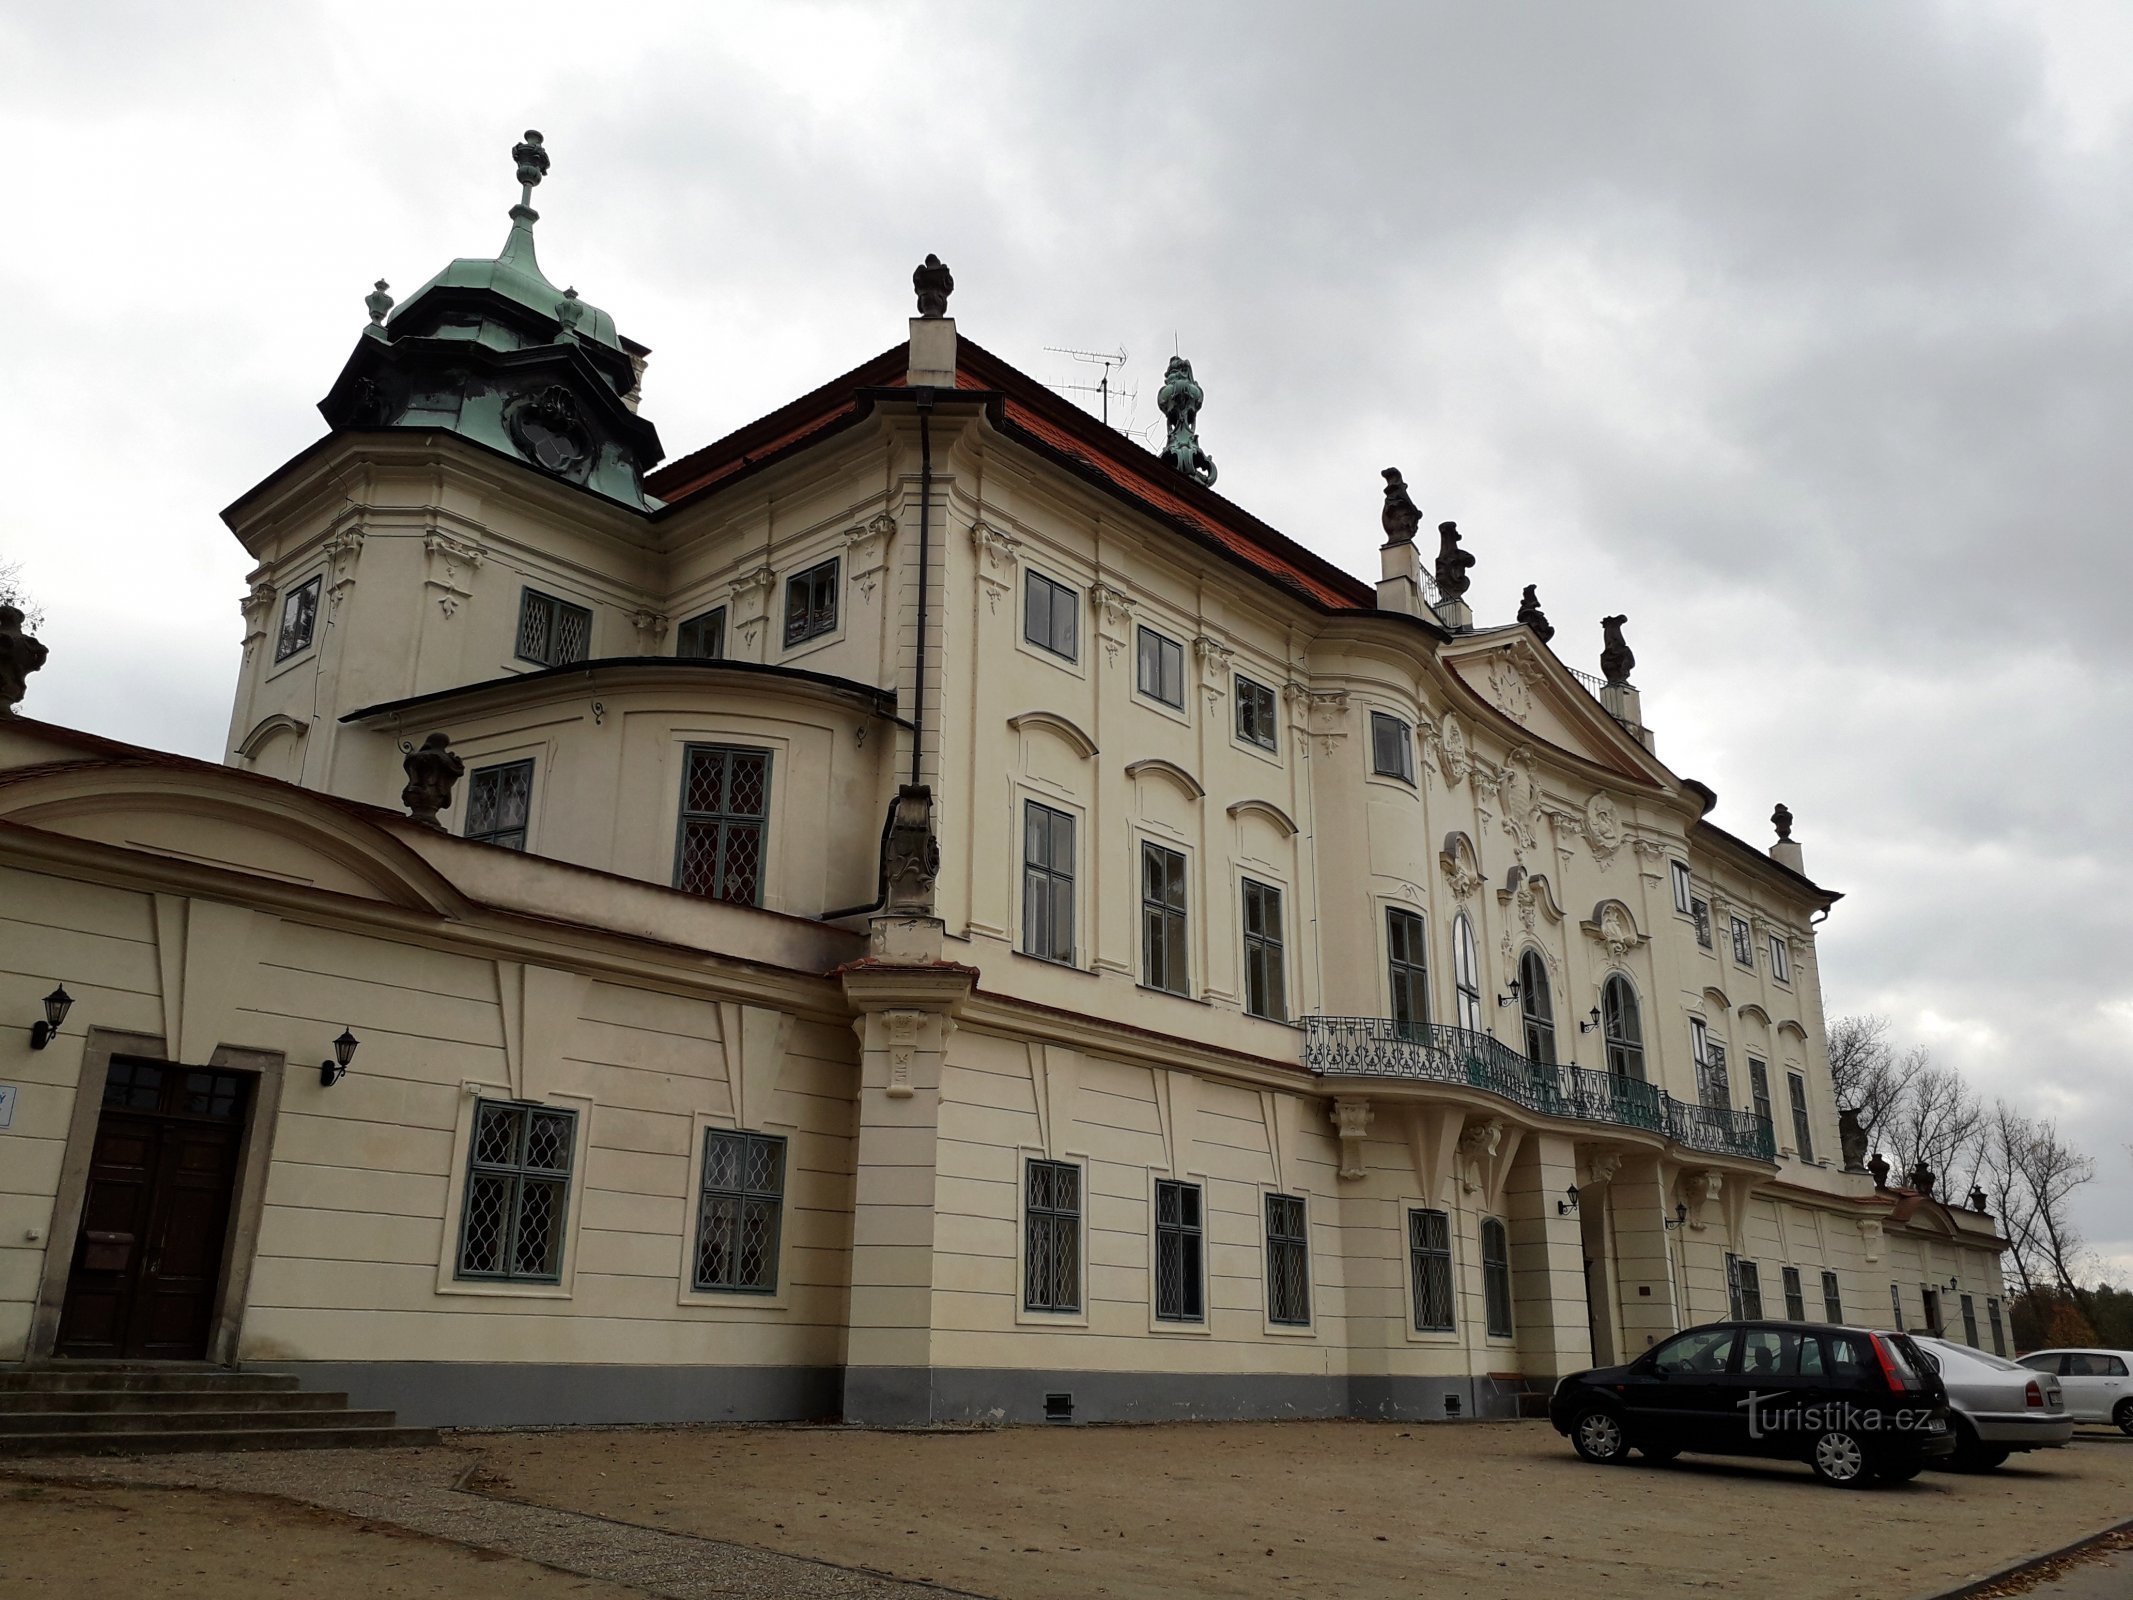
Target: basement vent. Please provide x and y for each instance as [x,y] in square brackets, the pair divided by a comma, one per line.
[1058,1408]
[1451,1405]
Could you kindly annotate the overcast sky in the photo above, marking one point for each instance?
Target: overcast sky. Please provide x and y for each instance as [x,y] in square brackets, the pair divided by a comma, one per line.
[1801,333]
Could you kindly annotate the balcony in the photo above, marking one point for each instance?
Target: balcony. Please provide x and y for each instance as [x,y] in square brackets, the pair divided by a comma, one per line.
[1405,1052]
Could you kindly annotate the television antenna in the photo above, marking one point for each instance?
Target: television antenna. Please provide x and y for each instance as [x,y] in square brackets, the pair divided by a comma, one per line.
[1111,361]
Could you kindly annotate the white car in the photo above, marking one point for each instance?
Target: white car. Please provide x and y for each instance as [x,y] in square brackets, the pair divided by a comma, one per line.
[2098,1384]
[1998,1408]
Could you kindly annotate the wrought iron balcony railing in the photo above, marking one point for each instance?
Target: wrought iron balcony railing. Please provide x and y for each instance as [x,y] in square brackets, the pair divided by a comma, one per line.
[1377,1047]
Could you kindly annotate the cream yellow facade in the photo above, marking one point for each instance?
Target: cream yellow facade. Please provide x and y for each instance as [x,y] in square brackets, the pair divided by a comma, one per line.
[1379,835]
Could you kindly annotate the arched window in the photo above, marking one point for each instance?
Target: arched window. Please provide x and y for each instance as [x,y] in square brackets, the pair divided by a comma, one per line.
[1537,1007]
[1466,974]
[1622,1029]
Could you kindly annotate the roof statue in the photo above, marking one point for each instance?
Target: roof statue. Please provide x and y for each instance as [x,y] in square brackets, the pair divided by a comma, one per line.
[934,283]
[1530,613]
[1179,401]
[1402,517]
[431,772]
[378,302]
[20,655]
[1452,562]
[1781,819]
[1616,658]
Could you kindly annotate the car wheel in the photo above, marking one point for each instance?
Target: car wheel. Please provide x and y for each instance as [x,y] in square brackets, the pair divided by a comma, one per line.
[1597,1436]
[2123,1416]
[1839,1458]
[1659,1454]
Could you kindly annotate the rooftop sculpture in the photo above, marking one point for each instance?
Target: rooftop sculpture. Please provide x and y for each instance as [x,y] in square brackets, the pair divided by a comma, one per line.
[431,773]
[1179,401]
[1781,819]
[1616,658]
[20,655]
[1530,613]
[1402,518]
[1452,563]
[934,284]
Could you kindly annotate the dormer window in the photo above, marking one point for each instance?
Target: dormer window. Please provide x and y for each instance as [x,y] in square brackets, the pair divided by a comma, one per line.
[553,632]
[299,619]
[811,603]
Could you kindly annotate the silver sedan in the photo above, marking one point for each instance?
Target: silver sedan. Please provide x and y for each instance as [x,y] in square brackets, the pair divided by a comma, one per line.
[1996,1406]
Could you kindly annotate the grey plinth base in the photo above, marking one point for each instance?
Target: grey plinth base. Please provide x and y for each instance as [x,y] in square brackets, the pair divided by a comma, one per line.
[905,1397]
[498,1394]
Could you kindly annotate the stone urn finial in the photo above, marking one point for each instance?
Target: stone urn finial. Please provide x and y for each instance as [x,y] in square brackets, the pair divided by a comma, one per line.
[1921,1177]
[20,655]
[1879,1167]
[431,772]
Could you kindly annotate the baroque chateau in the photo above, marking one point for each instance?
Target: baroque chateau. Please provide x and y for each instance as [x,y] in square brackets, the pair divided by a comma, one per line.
[918,911]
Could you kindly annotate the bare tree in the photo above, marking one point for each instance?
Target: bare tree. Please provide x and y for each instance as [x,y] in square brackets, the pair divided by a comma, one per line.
[2033,1175]
[1937,1122]
[13,594]
[1870,1079]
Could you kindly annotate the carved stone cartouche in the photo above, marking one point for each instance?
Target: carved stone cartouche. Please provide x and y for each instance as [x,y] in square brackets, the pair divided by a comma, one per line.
[934,284]
[1617,661]
[911,853]
[1452,562]
[1401,517]
[1179,400]
[431,773]
[1530,613]
[20,655]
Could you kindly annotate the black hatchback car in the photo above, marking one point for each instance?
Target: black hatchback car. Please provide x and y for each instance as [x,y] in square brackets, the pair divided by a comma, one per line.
[1853,1404]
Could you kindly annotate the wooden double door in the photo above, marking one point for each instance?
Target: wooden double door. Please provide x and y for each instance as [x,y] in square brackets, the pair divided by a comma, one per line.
[155,1218]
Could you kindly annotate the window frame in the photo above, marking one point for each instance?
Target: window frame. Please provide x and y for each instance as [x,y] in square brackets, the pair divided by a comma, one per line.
[1466,975]
[1999,1330]
[1832,1296]
[1743,944]
[1684,887]
[1700,914]
[1260,942]
[743,1194]
[1063,1223]
[1249,691]
[315,587]
[1803,1133]
[1744,1279]
[1174,919]
[1055,877]
[558,609]
[1496,1280]
[1054,593]
[814,621]
[498,836]
[1191,1245]
[517,1172]
[1795,1294]
[1414,972]
[1404,772]
[1780,959]
[1759,1090]
[1617,1041]
[724,819]
[1896,1305]
[712,621]
[1421,1256]
[1536,1025]
[1168,652]
[1967,1304]
[1282,1247]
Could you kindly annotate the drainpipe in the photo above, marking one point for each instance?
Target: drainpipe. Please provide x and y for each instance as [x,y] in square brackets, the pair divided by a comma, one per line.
[924,399]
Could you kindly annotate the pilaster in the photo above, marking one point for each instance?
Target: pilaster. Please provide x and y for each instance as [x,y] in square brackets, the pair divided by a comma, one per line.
[1547,1260]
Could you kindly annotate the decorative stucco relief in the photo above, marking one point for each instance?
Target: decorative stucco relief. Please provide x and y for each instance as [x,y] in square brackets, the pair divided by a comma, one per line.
[998,553]
[867,552]
[1114,617]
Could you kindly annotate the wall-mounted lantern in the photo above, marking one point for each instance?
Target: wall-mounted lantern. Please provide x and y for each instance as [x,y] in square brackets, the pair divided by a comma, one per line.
[1510,999]
[1681,1215]
[1568,1206]
[56,1006]
[1593,1021]
[344,1049]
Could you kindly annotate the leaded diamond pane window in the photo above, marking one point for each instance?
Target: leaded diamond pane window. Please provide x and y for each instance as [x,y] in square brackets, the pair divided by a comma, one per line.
[1392,748]
[1164,962]
[811,603]
[1051,1277]
[1700,913]
[299,619]
[518,1192]
[499,800]
[1429,1248]
[703,637]
[1050,615]
[1265,974]
[1255,713]
[1179,1246]
[725,814]
[553,632]
[740,1210]
[1162,668]
[1288,1262]
[1496,1277]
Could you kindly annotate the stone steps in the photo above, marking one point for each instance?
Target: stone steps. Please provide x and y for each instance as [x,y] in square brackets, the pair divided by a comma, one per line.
[139,1408]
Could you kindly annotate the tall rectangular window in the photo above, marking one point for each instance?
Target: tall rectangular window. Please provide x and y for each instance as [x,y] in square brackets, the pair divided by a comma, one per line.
[1896,1304]
[518,1192]
[1288,1262]
[1179,1251]
[1047,883]
[1164,962]
[1429,1255]
[1265,977]
[1832,1298]
[1780,959]
[1682,893]
[1392,748]
[1407,971]
[1992,1320]
[1802,1135]
[740,1207]
[1759,1087]
[725,814]
[553,632]
[1749,1276]
[1743,943]
[1795,1294]
[1162,668]
[499,799]
[1051,1237]
[703,637]
[299,619]
[1712,1086]
[811,603]
[1496,1277]
[1051,614]
[1255,713]
[1969,1307]
[1700,914]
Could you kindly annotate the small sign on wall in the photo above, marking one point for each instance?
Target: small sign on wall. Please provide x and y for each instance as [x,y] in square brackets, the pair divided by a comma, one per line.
[7,1106]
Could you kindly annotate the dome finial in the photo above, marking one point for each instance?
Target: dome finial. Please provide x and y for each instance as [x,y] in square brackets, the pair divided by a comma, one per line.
[532,167]
[378,302]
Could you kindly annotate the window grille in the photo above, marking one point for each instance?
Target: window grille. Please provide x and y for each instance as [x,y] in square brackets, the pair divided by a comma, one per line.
[1969,1307]
[1255,713]
[1795,1294]
[1896,1304]
[1496,1277]
[1265,977]
[1929,1303]
[1052,1237]
[1162,668]
[1429,1251]
[1392,748]
[1047,883]
[1999,1334]
[299,619]
[1407,970]
[1743,944]
[1748,1280]
[498,801]
[725,815]
[1164,962]
[1803,1138]
[703,637]
[1536,1008]
[1622,1028]
[1179,1243]
[1051,614]
[1733,1286]
[1466,973]
[1759,1087]
[1682,892]
[1780,959]
[811,603]
[518,1192]
[1288,1262]
[1832,1298]
[1700,912]
[553,632]
[739,1211]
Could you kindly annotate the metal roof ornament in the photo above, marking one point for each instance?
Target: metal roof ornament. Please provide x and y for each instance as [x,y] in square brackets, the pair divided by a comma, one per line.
[1452,563]
[1179,401]
[532,162]
[378,302]
[1402,517]
[934,283]
[569,310]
